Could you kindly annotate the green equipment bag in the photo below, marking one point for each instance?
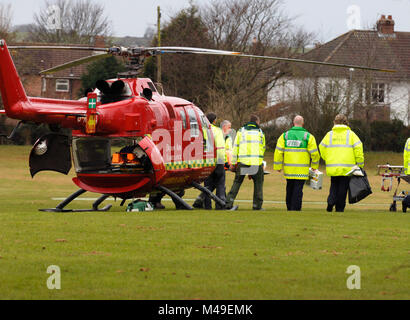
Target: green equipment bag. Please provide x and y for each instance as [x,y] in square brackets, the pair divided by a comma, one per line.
[139,205]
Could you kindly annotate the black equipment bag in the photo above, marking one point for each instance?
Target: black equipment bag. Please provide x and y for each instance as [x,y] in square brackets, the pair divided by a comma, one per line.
[359,188]
[406,203]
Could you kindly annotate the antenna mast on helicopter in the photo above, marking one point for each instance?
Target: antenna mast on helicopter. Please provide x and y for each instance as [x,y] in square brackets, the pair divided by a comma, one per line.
[159,45]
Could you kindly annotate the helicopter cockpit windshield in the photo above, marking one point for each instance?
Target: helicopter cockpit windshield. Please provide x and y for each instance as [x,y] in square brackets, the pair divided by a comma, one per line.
[110,155]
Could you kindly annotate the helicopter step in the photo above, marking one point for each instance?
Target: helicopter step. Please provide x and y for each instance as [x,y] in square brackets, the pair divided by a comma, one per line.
[60,207]
[175,197]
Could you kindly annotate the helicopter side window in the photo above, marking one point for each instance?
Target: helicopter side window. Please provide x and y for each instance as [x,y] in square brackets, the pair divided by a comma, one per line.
[183,118]
[193,123]
[207,132]
[152,87]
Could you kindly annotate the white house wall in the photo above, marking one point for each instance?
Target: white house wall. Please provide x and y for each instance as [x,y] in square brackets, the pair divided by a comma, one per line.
[281,91]
[399,99]
[397,94]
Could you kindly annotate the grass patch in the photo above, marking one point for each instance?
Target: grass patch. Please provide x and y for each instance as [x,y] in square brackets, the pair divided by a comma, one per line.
[200,254]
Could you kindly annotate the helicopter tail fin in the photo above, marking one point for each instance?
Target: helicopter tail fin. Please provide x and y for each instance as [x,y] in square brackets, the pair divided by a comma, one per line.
[12,91]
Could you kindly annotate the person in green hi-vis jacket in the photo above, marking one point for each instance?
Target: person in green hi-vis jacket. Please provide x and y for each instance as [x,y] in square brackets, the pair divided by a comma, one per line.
[296,151]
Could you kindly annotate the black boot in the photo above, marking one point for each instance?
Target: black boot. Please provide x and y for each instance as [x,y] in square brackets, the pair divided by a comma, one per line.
[198,204]
[158,205]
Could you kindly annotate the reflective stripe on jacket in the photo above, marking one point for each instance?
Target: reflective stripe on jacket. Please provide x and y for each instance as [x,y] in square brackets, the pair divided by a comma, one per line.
[296,151]
[219,144]
[341,149]
[249,146]
[406,157]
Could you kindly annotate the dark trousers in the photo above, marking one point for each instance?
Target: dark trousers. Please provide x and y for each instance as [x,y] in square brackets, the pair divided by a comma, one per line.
[216,180]
[257,187]
[338,191]
[294,194]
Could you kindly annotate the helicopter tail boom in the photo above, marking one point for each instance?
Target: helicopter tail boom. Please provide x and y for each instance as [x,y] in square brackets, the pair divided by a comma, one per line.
[39,110]
[12,91]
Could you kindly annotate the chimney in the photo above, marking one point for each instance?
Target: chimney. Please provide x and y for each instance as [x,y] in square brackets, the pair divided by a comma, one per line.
[99,42]
[385,26]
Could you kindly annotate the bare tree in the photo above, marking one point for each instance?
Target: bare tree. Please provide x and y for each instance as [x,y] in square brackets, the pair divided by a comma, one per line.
[257,27]
[64,21]
[233,87]
[6,17]
[188,76]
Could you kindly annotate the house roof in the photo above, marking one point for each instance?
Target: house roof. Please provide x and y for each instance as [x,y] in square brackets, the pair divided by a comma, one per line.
[365,48]
[32,61]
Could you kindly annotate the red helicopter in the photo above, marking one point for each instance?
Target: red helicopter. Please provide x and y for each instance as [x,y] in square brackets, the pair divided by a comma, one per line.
[128,140]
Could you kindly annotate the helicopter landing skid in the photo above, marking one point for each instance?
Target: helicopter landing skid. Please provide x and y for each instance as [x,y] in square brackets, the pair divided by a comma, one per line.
[60,207]
[175,197]
[209,193]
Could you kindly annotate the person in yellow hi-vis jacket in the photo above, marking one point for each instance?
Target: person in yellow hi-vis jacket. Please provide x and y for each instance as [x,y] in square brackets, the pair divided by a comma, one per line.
[406,165]
[248,151]
[226,130]
[342,150]
[296,151]
[216,179]
[406,157]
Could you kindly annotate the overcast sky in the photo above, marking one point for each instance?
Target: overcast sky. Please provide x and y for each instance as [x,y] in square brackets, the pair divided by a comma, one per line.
[328,18]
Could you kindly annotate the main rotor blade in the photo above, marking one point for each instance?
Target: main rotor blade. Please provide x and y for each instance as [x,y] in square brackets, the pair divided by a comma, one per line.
[339,65]
[141,51]
[75,63]
[191,50]
[58,47]
[187,50]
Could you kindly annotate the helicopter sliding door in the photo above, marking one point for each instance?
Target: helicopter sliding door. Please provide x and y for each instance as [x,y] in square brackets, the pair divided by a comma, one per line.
[155,156]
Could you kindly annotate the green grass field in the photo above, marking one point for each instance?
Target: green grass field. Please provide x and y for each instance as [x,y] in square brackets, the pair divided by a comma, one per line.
[198,254]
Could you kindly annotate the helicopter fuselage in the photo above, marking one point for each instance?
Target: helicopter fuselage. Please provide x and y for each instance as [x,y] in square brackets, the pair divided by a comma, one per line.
[167,131]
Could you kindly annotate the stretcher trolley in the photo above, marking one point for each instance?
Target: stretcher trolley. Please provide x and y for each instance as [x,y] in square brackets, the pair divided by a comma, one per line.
[388,173]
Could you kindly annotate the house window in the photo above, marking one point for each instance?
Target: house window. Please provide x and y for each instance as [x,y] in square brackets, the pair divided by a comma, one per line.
[332,91]
[378,92]
[373,93]
[62,85]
